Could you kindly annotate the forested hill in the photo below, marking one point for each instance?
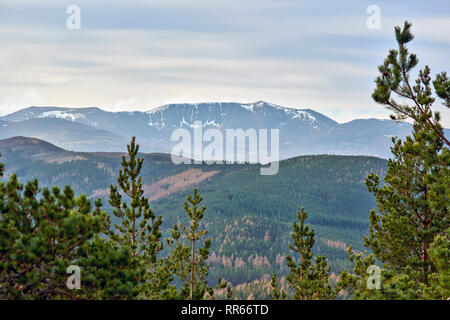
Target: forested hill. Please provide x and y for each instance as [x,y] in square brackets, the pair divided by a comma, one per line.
[249,216]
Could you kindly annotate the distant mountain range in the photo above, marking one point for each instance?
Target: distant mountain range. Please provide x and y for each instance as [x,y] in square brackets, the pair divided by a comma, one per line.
[302,131]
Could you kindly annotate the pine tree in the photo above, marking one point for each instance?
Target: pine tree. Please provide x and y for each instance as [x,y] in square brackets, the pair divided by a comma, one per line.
[308,278]
[414,209]
[139,228]
[417,100]
[43,233]
[188,258]
[276,293]
[414,203]
[408,234]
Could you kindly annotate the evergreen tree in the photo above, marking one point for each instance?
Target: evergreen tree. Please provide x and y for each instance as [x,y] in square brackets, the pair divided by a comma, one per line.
[188,258]
[308,278]
[139,228]
[417,100]
[42,234]
[414,208]
[408,234]
[276,293]
[414,203]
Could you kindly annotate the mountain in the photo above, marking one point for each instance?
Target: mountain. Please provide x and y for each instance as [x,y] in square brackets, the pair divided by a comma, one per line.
[249,216]
[302,131]
[120,123]
[64,133]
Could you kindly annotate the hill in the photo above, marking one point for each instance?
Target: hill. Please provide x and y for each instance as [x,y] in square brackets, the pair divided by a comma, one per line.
[249,216]
[64,133]
[32,145]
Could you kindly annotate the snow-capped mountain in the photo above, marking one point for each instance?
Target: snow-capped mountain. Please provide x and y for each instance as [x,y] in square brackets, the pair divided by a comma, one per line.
[235,115]
[302,131]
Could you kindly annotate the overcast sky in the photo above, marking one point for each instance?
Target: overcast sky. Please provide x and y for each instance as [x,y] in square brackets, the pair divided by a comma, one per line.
[138,55]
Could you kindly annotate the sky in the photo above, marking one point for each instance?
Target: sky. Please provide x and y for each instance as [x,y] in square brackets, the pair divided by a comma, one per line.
[138,55]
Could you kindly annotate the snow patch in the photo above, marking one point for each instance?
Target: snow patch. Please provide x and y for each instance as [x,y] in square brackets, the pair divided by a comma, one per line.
[159,109]
[302,115]
[249,106]
[62,115]
[212,123]
[296,113]
[185,123]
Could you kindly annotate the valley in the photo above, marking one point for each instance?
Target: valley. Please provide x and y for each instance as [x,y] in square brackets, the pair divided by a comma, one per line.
[249,216]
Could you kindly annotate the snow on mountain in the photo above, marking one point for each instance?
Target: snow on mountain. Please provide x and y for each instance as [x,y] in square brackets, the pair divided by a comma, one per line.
[235,115]
[61,115]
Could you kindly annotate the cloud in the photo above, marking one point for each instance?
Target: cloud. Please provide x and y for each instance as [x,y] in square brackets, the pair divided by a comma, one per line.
[124,104]
[21,100]
[141,54]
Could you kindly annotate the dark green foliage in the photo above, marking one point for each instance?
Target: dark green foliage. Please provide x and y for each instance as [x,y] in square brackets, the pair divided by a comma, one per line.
[442,87]
[41,235]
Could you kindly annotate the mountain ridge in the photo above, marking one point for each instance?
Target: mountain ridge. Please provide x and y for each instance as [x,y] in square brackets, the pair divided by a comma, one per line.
[15,116]
[302,131]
